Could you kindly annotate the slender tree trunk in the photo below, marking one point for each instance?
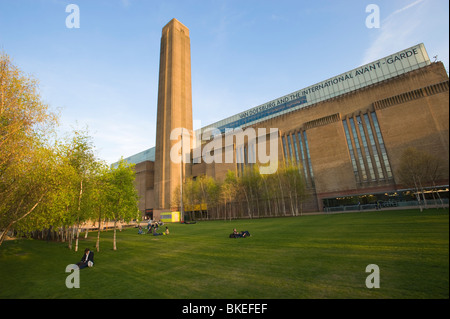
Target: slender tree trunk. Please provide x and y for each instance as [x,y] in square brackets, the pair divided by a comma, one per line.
[423,194]
[70,236]
[418,196]
[115,228]
[282,195]
[79,208]
[97,245]
[61,233]
[77,235]
[248,203]
[268,196]
[257,205]
[439,196]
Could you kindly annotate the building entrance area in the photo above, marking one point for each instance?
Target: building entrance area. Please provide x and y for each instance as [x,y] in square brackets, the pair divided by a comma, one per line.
[432,197]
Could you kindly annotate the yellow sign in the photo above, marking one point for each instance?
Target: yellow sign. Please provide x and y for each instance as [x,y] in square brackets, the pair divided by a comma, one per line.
[175,217]
[170,217]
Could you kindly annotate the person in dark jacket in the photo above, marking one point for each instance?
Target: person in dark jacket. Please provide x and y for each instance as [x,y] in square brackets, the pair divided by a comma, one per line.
[87,260]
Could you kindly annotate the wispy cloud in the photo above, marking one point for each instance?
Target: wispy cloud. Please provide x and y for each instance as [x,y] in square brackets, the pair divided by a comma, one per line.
[126,3]
[276,17]
[398,30]
[405,8]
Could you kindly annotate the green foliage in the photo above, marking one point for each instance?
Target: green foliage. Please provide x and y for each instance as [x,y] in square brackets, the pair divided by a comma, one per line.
[249,195]
[29,169]
[121,194]
[48,183]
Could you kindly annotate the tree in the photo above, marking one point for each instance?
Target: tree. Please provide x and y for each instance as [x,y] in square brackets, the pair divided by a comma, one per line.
[80,154]
[190,196]
[98,197]
[228,192]
[417,169]
[213,190]
[294,184]
[122,199]
[250,183]
[37,179]
[48,184]
[28,166]
[23,116]
[52,211]
[252,192]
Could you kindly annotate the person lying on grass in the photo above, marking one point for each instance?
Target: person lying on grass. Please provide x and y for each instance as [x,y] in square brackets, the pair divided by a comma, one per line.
[241,234]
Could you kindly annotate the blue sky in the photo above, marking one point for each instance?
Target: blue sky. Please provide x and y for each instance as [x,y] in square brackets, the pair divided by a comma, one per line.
[244,53]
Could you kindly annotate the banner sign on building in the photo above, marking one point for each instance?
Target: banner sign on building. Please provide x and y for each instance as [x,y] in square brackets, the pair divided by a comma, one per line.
[368,74]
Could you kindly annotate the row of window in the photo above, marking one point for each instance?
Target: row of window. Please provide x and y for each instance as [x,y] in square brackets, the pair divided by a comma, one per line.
[365,143]
[296,149]
[245,155]
[366,146]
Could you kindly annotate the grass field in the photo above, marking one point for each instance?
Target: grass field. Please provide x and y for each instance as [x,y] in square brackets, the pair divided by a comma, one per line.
[316,256]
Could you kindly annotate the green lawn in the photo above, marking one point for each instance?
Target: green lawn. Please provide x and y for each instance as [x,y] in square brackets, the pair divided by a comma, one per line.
[316,256]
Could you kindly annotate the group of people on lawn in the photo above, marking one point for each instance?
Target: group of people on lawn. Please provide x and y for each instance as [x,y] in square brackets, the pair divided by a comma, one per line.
[88,257]
[152,227]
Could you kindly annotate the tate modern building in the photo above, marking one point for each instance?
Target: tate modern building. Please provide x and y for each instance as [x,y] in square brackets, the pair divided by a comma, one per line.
[346,133]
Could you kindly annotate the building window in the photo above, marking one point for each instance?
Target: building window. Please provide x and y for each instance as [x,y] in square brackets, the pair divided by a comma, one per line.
[366,148]
[302,153]
[290,148]
[308,157]
[352,153]
[245,154]
[252,153]
[358,151]
[296,148]
[285,148]
[240,160]
[368,162]
[381,143]
[291,153]
[373,145]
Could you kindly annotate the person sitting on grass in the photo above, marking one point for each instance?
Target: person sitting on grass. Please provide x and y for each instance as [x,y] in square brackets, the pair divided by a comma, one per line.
[152,229]
[87,260]
[155,233]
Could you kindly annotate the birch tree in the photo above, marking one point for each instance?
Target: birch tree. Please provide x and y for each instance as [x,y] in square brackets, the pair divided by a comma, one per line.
[122,197]
[418,169]
[25,158]
[228,192]
[80,154]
